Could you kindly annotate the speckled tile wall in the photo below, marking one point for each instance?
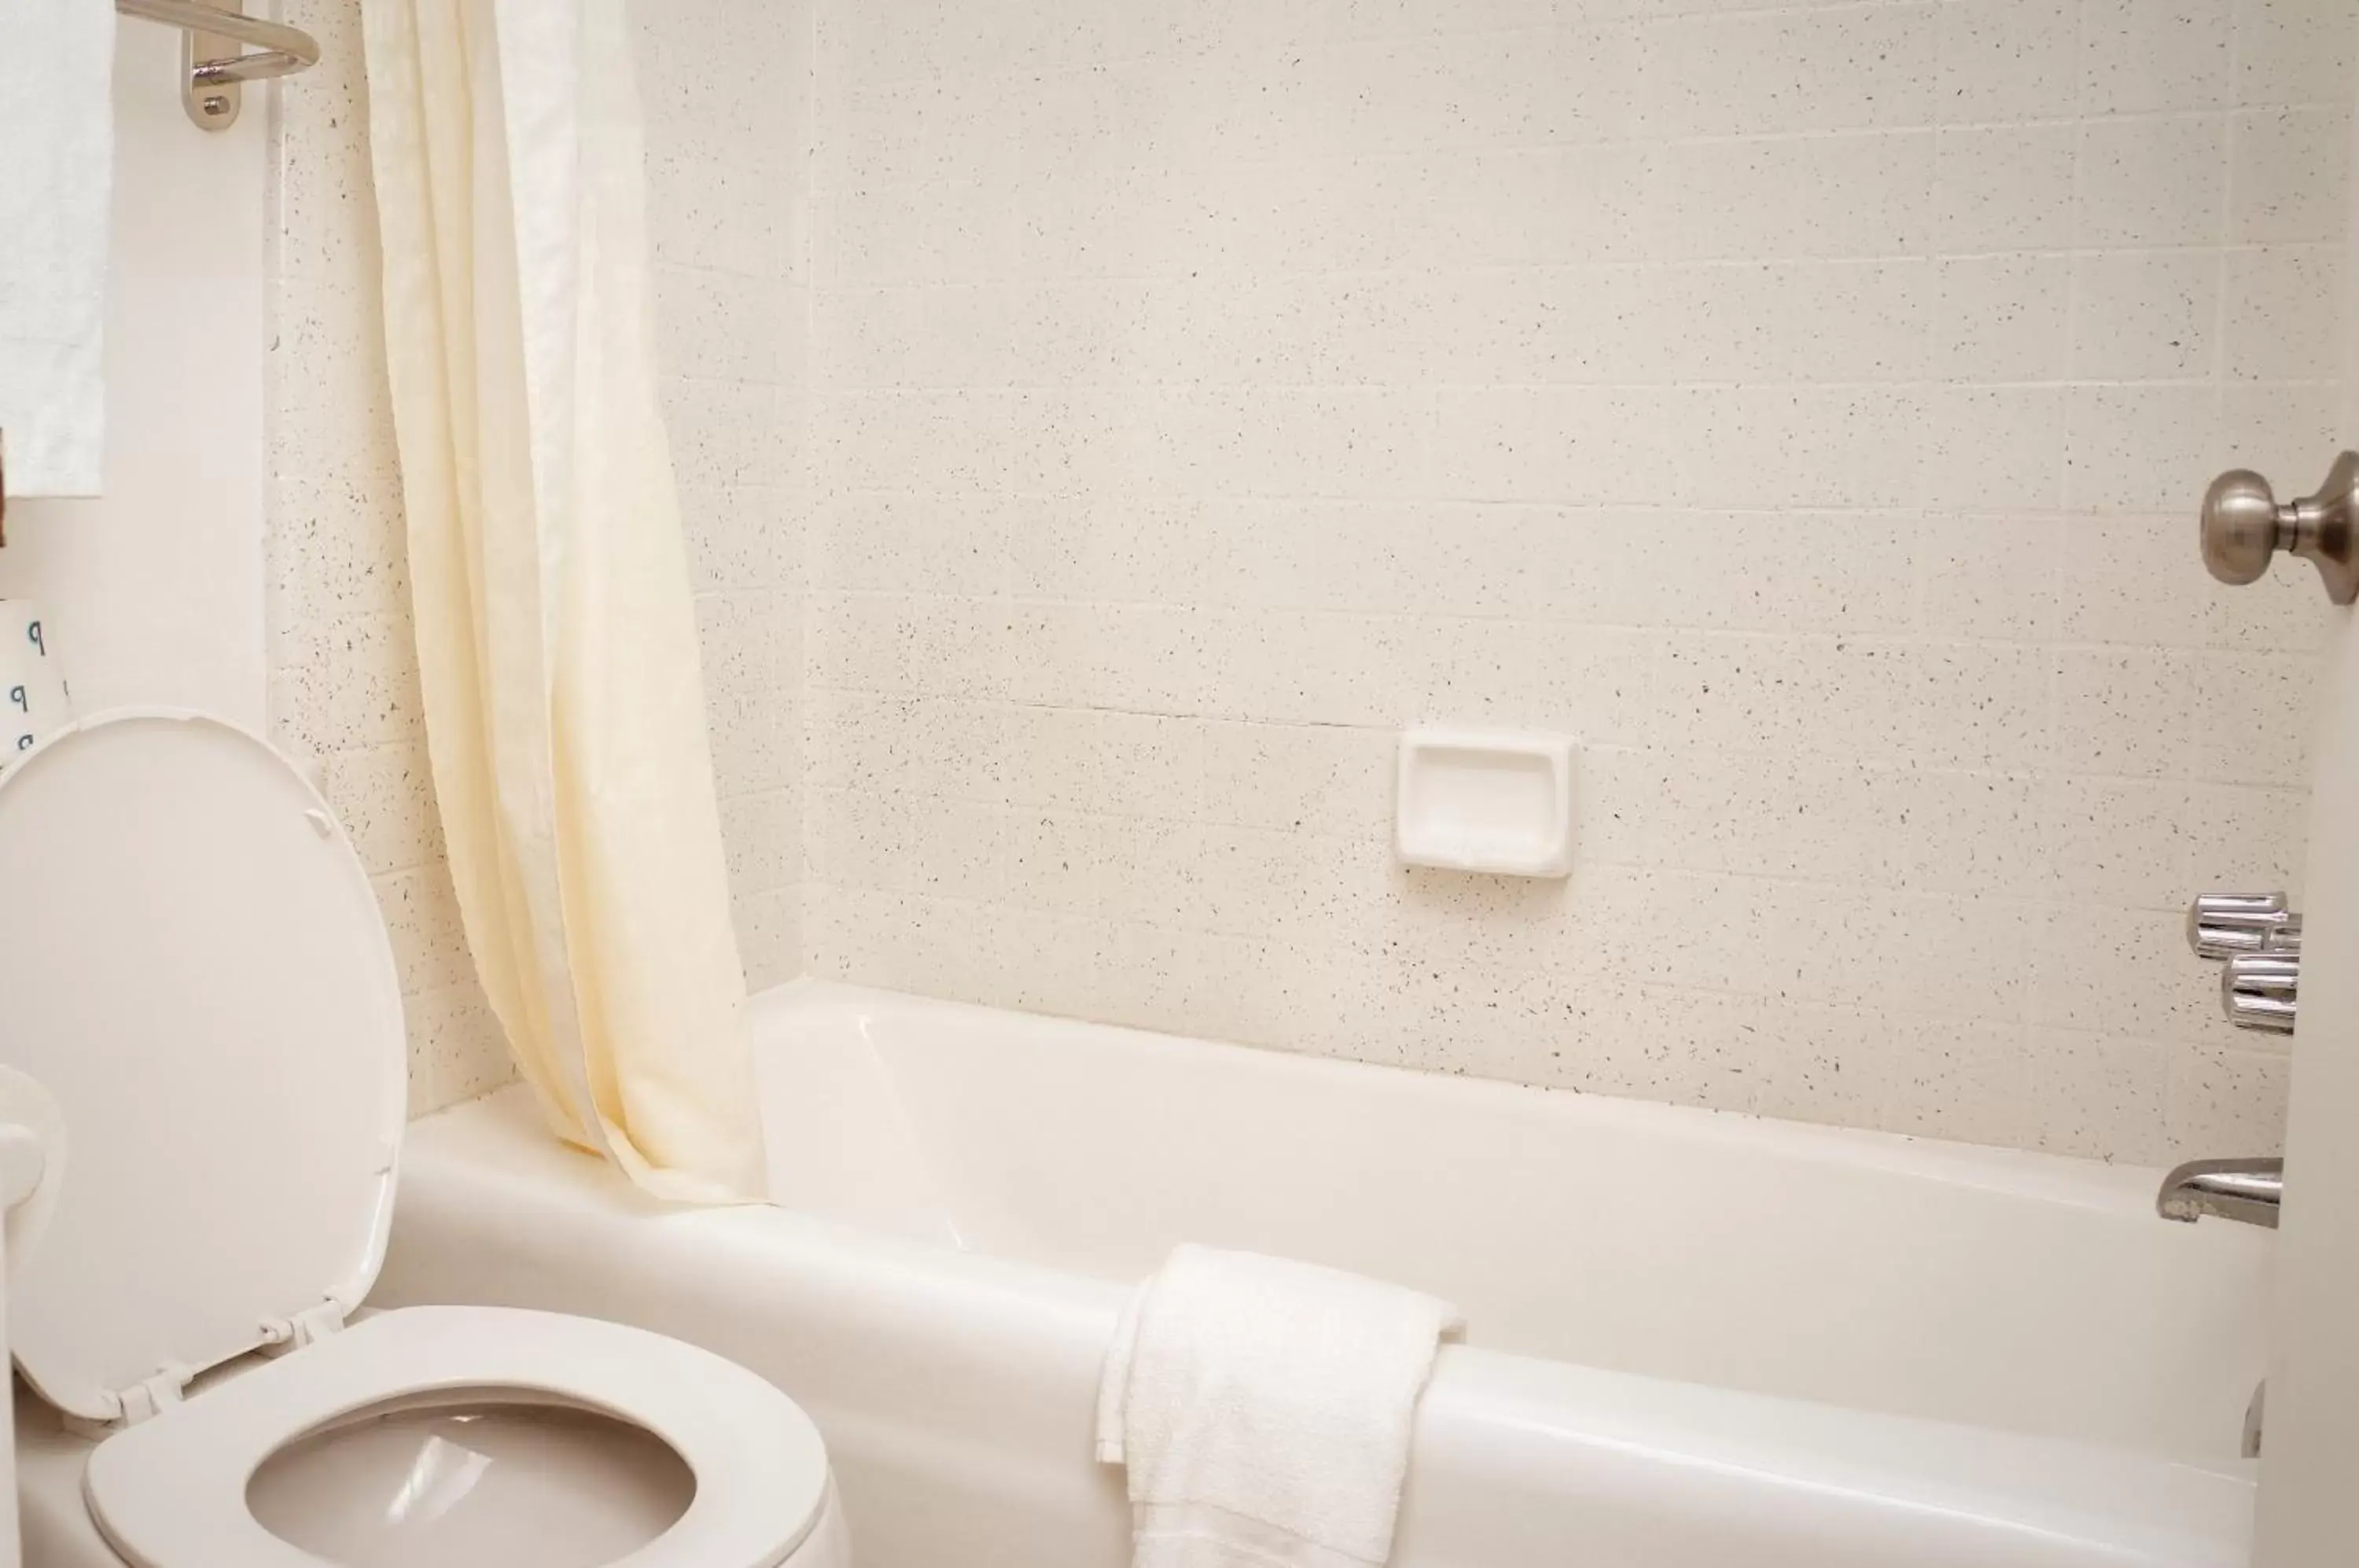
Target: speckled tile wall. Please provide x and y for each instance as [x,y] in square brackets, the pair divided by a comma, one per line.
[1805,407]
[727,86]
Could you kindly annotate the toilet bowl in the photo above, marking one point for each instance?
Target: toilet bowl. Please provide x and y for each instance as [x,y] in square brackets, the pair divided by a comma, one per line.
[193,963]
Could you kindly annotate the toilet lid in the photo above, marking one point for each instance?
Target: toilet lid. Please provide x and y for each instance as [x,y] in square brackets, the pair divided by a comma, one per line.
[192,962]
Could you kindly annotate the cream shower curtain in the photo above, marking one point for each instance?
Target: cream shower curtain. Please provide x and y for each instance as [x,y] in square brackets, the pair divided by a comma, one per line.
[555,639]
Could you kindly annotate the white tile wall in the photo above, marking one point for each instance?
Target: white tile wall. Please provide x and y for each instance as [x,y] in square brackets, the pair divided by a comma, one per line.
[1802,404]
[727,87]
[727,96]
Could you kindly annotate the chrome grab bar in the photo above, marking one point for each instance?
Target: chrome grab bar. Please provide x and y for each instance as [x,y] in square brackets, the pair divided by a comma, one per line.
[211,81]
[2247,1191]
[283,49]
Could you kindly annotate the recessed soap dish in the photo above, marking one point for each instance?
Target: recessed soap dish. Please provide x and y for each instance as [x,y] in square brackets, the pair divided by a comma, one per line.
[1494,800]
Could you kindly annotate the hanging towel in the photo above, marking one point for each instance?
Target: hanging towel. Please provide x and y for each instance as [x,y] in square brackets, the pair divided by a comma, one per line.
[1263,1408]
[57,162]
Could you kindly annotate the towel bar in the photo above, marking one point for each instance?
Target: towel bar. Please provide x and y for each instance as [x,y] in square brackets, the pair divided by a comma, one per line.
[213,64]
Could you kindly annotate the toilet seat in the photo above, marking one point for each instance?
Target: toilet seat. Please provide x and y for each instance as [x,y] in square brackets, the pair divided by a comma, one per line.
[173,1490]
[192,961]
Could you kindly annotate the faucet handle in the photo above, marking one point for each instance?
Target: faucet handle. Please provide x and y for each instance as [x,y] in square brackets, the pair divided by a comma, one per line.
[2258,990]
[2221,925]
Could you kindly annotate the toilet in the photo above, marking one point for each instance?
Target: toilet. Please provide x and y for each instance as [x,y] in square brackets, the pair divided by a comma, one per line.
[193,965]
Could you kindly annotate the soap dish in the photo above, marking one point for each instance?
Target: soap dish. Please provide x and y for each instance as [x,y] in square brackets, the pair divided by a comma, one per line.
[1490,800]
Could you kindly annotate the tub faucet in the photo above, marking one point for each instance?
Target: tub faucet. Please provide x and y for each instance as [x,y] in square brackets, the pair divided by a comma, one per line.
[2247,1191]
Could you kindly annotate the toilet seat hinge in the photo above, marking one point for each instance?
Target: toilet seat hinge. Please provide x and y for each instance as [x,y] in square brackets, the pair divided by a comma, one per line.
[315,1322]
[143,1400]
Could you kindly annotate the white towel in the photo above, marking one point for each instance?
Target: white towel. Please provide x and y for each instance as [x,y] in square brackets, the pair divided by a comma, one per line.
[57,162]
[1263,1408]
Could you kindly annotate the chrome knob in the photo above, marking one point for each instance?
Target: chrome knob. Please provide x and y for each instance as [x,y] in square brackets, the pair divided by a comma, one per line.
[2221,925]
[2258,990]
[2244,525]
[2240,526]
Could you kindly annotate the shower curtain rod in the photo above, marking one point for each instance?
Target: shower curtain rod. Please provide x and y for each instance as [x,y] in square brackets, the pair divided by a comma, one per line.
[212,64]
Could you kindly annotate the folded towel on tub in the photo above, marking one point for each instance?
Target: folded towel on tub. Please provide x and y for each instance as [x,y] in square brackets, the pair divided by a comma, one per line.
[1263,1409]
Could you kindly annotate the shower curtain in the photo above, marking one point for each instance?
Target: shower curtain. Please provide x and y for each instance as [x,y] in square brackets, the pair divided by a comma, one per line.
[556,638]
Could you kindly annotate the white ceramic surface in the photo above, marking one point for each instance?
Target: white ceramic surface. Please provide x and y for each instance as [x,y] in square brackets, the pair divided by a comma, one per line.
[1699,1340]
[58,1531]
[1485,801]
[174,1492]
[475,1487]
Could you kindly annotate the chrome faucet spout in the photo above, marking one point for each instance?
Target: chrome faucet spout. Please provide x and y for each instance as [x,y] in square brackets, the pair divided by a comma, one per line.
[2245,1190]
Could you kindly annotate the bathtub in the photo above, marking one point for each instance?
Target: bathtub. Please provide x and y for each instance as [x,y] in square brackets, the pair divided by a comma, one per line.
[1697,1340]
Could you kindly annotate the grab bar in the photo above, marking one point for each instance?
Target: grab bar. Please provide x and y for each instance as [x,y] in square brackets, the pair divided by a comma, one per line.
[213,62]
